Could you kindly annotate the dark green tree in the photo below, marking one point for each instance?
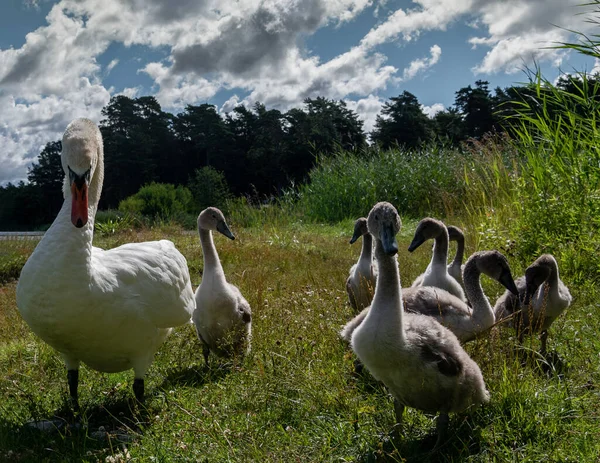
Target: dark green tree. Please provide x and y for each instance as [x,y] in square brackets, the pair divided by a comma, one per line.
[402,122]
[48,175]
[139,146]
[449,126]
[477,107]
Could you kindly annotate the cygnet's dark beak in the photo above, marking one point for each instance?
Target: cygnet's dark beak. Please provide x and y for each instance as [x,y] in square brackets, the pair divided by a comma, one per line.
[417,241]
[224,229]
[388,240]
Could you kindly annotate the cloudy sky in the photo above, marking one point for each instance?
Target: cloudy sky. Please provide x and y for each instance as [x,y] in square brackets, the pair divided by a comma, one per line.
[65,59]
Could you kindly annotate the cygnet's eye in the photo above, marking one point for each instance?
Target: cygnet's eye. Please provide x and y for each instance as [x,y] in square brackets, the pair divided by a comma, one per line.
[376,217]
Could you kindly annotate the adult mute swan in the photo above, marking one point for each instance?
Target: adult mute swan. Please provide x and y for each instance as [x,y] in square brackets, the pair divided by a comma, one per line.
[360,284]
[109,309]
[223,317]
[436,273]
[421,362]
[542,298]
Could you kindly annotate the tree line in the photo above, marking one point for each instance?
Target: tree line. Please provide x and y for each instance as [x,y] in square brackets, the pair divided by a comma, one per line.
[254,151]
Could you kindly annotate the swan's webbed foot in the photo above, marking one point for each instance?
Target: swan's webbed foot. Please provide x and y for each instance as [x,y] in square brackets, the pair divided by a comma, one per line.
[442,430]
[138,389]
[73,380]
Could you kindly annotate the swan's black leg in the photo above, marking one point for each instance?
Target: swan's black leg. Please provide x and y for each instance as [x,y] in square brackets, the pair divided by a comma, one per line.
[544,339]
[138,389]
[73,380]
[442,429]
[205,352]
[398,411]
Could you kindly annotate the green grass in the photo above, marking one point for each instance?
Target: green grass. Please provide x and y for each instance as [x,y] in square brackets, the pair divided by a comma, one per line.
[295,397]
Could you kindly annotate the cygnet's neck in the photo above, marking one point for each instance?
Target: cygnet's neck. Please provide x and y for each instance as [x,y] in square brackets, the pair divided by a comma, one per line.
[387,301]
[212,265]
[366,253]
[483,314]
[440,250]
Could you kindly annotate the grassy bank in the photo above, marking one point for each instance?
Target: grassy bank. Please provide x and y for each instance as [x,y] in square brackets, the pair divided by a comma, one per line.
[295,398]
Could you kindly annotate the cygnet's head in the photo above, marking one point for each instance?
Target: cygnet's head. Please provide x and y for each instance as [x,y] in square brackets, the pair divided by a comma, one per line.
[384,224]
[455,234]
[213,219]
[360,229]
[427,229]
[494,265]
[537,273]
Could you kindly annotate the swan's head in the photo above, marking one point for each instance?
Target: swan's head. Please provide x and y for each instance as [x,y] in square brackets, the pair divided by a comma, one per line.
[213,219]
[81,144]
[427,229]
[360,229]
[384,224]
[455,234]
[494,265]
[537,273]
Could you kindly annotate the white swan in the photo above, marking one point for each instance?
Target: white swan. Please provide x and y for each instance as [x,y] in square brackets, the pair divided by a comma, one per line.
[455,268]
[464,321]
[360,284]
[421,362]
[436,273]
[109,309]
[542,298]
[223,317]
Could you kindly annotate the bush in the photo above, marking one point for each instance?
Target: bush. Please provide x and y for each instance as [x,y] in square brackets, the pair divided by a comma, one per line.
[110,222]
[158,201]
[347,185]
[209,188]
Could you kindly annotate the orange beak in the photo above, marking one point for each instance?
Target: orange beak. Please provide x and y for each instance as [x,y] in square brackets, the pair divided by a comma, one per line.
[79,204]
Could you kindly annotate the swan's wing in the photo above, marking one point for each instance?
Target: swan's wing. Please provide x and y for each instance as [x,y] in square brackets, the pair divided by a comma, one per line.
[348,329]
[434,344]
[433,302]
[151,277]
[243,306]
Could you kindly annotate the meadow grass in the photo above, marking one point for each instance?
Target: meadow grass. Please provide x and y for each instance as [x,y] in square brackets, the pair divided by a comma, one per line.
[296,396]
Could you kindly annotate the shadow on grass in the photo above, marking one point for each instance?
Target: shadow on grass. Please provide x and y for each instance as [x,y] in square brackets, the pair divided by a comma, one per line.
[195,376]
[463,440]
[98,430]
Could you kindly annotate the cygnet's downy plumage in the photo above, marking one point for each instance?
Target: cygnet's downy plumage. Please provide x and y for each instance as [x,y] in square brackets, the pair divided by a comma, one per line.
[466,322]
[542,298]
[223,317]
[360,284]
[421,362]
[436,273]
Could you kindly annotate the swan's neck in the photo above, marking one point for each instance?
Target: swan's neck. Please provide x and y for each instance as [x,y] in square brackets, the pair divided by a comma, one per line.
[460,251]
[71,246]
[212,265]
[387,301]
[366,253]
[440,251]
[483,314]
[552,282]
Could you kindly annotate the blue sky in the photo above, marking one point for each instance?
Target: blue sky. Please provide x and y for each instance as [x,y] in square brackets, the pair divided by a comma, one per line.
[65,59]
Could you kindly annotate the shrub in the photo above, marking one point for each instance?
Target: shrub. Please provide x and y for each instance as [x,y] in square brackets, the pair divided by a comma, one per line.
[158,201]
[209,188]
[347,185]
[110,222]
